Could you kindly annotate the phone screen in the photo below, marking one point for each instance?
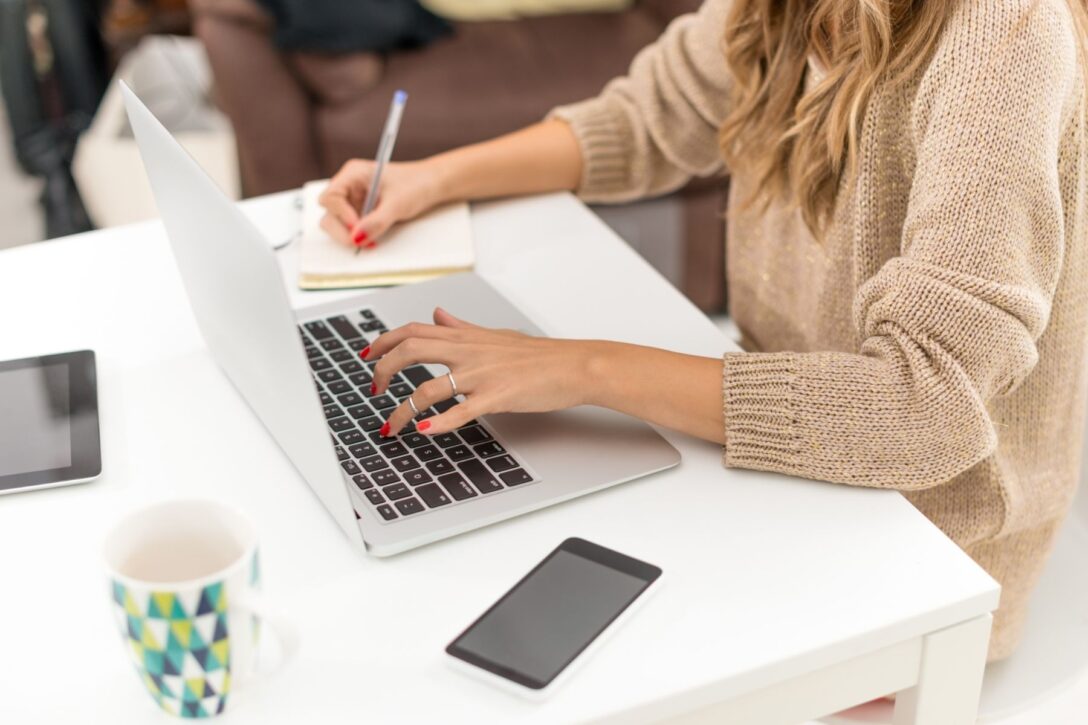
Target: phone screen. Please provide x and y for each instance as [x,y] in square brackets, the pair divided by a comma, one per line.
[550,616]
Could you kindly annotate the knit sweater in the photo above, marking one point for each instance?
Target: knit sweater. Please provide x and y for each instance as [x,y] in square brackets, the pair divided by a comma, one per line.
[933,341]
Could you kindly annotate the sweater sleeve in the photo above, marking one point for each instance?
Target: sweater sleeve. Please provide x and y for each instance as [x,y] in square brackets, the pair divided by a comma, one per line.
[652,130]
[952,322]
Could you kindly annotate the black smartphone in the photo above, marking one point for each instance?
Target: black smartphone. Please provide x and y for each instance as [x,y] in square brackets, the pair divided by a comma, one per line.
[553,617]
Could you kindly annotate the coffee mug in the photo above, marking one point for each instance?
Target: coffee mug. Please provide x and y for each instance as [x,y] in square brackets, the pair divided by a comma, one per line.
[185,580]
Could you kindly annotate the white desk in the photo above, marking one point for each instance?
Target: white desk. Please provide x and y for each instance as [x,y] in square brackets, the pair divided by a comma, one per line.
[785,599]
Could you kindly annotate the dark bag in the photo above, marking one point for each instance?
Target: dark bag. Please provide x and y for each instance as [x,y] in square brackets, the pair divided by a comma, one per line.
[348,26]
[53,74]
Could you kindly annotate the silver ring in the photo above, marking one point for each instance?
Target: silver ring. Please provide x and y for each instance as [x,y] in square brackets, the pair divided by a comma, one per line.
[453,385]
[412,405]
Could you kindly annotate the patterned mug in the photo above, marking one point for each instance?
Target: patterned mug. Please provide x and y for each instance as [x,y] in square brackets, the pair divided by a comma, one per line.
[185,579]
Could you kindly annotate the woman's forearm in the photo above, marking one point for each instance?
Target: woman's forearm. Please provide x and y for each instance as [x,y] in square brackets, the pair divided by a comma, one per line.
[682,392]
[541,158]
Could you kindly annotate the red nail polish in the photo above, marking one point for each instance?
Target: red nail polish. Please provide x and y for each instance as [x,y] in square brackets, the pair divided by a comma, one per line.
[423,425]
[365,352]
[385,429]
[360,237]
[371,245]
[373,390]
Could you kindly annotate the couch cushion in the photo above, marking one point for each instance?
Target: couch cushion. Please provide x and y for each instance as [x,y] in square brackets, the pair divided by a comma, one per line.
[487,79]
[507,9]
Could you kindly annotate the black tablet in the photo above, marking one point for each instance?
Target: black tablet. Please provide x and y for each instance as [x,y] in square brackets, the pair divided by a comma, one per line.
[48,421]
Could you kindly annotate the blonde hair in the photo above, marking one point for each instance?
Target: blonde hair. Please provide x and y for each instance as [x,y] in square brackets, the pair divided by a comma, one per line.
[796,144]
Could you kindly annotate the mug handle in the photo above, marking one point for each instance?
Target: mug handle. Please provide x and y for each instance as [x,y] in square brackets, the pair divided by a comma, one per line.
[272,619]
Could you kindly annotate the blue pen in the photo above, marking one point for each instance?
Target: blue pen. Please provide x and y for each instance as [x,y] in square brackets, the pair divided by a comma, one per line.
[385,151]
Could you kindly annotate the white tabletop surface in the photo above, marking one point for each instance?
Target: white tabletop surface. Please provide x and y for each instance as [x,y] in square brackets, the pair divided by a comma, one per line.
[767,577]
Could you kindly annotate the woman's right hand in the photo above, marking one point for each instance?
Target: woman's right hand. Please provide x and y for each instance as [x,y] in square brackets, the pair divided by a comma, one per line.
[408,190]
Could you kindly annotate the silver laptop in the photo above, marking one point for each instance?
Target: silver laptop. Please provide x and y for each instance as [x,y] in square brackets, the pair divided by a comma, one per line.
[300,371]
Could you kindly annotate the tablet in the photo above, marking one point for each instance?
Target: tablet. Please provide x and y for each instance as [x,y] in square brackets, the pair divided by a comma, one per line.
[48,421]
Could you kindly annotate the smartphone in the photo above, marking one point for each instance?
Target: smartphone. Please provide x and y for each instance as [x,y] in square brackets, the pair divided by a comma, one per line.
[532,637]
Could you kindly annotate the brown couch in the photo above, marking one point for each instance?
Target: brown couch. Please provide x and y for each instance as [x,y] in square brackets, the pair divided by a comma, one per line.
[299,116]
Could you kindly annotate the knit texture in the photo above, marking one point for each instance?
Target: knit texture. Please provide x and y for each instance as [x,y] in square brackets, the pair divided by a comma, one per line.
[934,341]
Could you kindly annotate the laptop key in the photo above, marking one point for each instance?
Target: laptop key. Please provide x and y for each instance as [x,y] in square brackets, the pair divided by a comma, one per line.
[428,453]
[339,387]
[458,453]
[341,454]
[358,344]
[372,326]
[394,449]
[333,411]
[373,424]
[318,329]
[409,506]
[326,399]
[383,402]
[351,366]
[373,463]
[341,356]
[473,435]
[417,477]
[387,512]
[348,399]
[440,466]
[319,363]
[386,477]
[397,491]
[361,379]
[432,495]
[367,314]
[360,411]
[456,485]
[501,463]
[417,375]
[350,436]
[330,376]
[331,344]
[339,424]
[362,450]
[342,325]
[362,482]
[443,405]
[491,448]
[405,463]
[415,440]
[400,391]
[374,497]
[515,477]
[349,467]
[313,352]
[447,439]
[481,478]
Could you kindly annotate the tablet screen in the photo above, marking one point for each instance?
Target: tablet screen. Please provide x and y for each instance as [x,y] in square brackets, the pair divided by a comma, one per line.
[35,430]
[48,421]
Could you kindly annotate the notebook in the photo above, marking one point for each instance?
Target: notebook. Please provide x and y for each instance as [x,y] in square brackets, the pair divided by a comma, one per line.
[436,244]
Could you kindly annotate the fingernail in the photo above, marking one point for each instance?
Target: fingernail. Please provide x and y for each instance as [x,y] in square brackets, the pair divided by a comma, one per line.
[385,429]
[373,390]
[423,425]
[360,237]
[365,352]
[371,245]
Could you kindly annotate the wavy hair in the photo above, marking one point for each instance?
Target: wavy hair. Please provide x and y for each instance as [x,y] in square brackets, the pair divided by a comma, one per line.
[798,144]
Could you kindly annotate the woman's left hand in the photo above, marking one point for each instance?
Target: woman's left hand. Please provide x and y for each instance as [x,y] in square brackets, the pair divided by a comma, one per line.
[497,371]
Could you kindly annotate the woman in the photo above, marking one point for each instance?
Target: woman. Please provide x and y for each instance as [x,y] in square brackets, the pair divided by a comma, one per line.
[906,257]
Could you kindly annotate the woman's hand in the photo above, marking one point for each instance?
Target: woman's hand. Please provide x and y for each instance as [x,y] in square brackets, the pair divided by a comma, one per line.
[497,371]
[504,371]
[407,191]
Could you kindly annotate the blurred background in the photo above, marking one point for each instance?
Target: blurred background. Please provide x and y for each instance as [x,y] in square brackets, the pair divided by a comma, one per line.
[269,94]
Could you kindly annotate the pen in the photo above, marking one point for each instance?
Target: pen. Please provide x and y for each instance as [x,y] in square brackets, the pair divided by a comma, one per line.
[385,151]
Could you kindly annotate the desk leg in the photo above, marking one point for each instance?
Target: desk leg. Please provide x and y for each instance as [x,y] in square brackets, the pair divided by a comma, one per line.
[949,677]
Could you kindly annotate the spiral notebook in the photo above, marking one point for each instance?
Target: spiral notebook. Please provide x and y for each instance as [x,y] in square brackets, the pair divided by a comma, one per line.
[435,244]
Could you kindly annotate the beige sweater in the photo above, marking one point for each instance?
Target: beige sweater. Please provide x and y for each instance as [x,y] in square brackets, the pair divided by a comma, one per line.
[934,342]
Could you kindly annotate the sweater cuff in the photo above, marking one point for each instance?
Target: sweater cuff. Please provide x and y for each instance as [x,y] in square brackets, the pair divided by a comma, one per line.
[605,143]
[758,409]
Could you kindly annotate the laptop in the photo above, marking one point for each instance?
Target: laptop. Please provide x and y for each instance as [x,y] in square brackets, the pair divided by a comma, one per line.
[300,372]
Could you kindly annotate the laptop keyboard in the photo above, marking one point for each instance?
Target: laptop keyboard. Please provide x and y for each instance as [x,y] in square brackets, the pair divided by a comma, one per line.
[408,474]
